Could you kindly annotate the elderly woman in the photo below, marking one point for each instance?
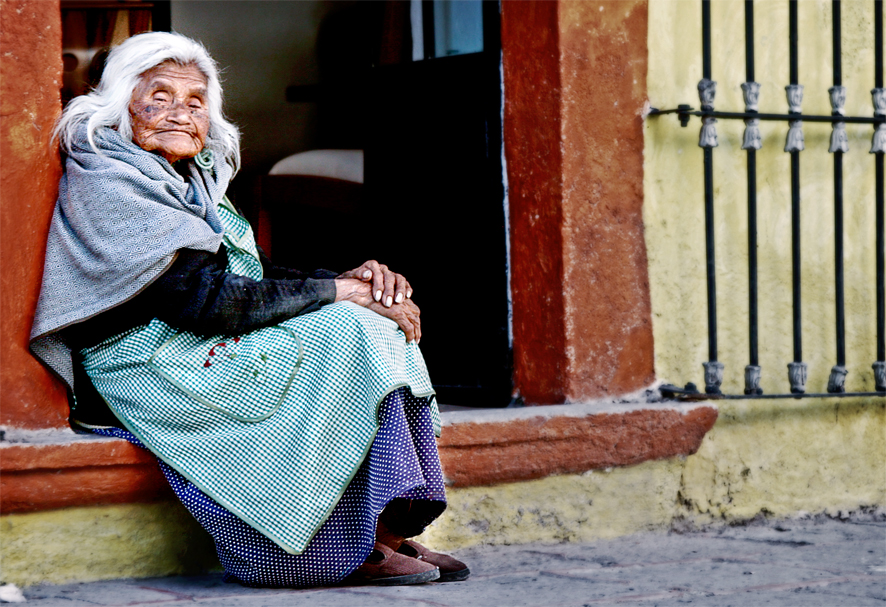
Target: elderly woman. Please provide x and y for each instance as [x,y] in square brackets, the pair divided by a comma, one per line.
[291,412]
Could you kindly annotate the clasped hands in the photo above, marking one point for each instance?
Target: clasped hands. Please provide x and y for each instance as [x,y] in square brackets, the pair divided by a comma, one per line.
[374,286]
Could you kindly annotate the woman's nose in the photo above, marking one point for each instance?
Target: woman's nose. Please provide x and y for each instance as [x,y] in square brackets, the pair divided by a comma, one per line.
[177,114]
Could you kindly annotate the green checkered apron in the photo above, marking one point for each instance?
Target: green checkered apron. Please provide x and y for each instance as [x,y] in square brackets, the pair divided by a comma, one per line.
[272,424]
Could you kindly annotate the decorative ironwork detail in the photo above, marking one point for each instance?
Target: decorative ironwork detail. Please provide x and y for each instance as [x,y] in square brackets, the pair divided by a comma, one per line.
[795,97]
[838,99]
[879,368]
[713,377]
[879,97]
[795,141]
[752,139]
[707,137]
[752,374]
[837,380]
[797,377]
[707,90]
[751,93]
[878,143]
[839,138]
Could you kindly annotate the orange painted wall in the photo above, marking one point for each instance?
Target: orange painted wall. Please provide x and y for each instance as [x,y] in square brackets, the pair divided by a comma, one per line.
[30,76]
[530,47]
[603,61]
[575,86]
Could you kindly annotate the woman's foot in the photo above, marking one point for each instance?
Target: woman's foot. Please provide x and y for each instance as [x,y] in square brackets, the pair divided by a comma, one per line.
[384,567]
[451,570]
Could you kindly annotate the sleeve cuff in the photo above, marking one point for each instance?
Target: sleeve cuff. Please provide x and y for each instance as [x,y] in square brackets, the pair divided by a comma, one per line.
[325,289]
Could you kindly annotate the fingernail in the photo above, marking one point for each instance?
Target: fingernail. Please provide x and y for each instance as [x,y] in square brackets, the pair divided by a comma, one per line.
[378,295]
[367,274]
[418,341]
[389,301]
[399,297]
[409,293]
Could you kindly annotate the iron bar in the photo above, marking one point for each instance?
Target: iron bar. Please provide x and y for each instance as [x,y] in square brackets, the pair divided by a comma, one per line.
[707,88]
[839,145]
[749,39]
[706,38]
[875,120]
[838,66]
[838,257]
[803,395]
[794,43]
[690,393]
[752,253]
[881,292]
[795,254]
[797,368]
[878,43]
[709,250]
[751,142]
[879,365]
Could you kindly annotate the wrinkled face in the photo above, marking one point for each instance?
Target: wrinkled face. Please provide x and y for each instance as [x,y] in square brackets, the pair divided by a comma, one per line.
[169,111]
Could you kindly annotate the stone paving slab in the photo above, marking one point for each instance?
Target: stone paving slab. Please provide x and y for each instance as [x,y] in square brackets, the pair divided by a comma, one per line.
[814,562]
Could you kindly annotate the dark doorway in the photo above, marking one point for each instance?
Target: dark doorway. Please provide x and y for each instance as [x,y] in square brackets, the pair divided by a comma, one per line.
[432,205]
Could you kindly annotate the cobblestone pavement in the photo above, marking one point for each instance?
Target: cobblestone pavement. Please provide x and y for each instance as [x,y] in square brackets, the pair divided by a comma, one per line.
[804,563]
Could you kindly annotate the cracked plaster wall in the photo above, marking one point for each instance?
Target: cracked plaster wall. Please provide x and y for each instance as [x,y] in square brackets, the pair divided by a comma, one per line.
[827,456]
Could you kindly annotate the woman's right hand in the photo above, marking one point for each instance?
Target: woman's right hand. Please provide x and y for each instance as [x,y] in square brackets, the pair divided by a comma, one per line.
[353,290]
[388,287]
[406,314]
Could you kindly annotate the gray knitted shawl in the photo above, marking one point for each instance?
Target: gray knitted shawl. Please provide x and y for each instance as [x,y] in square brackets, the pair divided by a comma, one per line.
[120,218]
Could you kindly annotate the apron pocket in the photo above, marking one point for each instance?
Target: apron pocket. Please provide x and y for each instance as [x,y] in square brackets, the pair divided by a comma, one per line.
[245,377]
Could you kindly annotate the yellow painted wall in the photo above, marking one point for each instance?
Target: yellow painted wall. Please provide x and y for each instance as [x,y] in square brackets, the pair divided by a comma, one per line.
[811,456]
[787,457]
[103,542]
[674,195]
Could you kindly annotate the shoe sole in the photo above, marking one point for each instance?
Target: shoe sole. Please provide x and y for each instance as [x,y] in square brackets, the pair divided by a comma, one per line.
[406,580]
[455,576]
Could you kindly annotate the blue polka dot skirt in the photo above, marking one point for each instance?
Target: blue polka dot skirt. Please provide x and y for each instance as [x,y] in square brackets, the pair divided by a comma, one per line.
[402,463]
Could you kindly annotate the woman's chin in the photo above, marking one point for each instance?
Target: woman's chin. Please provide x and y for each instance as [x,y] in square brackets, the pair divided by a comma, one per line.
[179,148]
[173,155]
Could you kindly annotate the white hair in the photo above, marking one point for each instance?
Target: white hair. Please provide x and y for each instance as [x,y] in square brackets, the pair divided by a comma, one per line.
[108,104]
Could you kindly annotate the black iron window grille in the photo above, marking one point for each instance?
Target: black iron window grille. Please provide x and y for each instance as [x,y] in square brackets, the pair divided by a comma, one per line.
[794,145]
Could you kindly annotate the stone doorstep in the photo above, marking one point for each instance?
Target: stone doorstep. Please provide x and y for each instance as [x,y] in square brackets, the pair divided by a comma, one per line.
[49,469]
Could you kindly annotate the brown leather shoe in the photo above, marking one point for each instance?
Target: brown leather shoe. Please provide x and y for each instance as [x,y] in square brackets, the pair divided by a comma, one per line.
[451,570]
[384,567]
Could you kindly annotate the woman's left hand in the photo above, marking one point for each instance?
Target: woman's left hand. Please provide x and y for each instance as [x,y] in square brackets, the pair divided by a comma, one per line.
[406,315]
[388,288]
